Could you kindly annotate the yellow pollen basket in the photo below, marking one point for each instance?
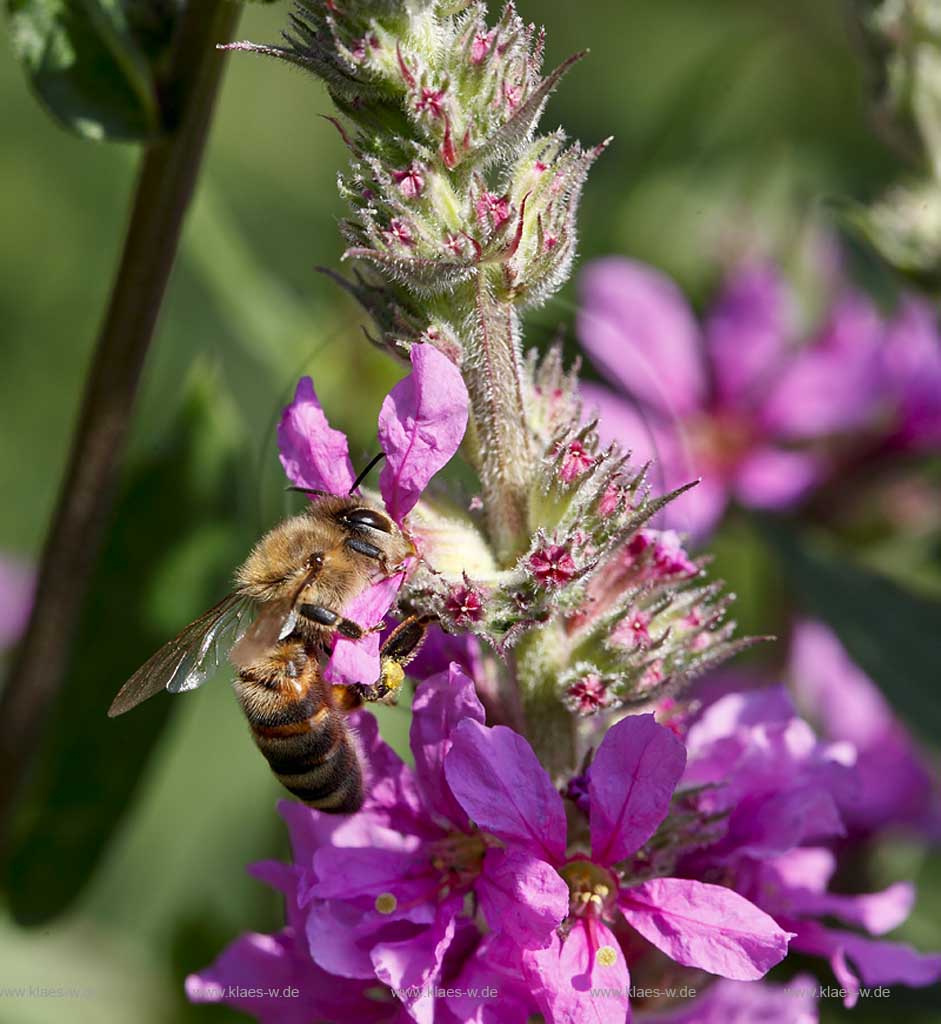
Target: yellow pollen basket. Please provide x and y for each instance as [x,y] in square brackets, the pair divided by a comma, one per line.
[393,675]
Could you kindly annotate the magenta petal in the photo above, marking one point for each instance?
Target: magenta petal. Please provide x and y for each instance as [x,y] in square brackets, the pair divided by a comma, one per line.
[639,331]
[848,704]
[351,871]
[735,711]
[272,964]
[522,896]
[572,985]
[747,331]
[877,912]
[440,703]
[421,426]
[891,963]
[338,939]
[775,478]
[705,926]
[834,384]
[412,966]
[314,455]
[501,785]
[895,783]
[876,962]
[748,1002]
[912,361]
[392,797]
[308,830]
[806,868]
[491,988]
[631,784]
[666,444]
[357,661]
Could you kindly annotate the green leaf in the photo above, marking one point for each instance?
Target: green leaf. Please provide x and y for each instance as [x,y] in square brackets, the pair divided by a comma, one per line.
[168,557]
[893,634]
[92,62]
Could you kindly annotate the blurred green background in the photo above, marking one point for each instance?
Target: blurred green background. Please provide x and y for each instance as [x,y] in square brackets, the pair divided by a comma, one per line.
[730,116]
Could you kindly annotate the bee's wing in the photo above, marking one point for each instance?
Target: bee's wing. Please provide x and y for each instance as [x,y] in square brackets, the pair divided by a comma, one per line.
[188,659]
[273,624]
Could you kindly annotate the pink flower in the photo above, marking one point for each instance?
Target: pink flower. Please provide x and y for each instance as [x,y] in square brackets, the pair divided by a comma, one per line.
[896,784]
[379,897]
[587,695]
[421,425]
[633,630]
[493,207]
[273,977]
[399,232]
[411,181]
[912,365]
[464,604]
[781,790]
[495,776]
[735,402]
[576,461]
[431,100]
[552,565]
[481,45]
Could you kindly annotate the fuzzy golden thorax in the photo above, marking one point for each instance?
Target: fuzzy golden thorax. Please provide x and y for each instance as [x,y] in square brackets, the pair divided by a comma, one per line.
[341,543]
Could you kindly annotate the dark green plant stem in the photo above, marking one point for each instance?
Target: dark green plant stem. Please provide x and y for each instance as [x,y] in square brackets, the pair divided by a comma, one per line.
[165,183]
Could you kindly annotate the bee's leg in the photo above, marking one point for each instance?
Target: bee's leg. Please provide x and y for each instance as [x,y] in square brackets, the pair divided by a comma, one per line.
[400,647]
[332,620]
[403,642]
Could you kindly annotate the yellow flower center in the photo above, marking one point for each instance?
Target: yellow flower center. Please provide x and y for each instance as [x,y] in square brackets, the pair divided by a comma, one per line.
[592,889]
[459,857]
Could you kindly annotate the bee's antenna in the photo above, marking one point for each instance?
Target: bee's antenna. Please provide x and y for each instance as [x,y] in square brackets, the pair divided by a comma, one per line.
[362,476]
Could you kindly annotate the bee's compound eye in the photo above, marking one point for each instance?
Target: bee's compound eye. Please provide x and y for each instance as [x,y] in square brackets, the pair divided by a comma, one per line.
[369,518]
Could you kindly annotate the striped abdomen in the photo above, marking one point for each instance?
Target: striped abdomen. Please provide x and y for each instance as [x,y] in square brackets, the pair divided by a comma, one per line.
[303,737]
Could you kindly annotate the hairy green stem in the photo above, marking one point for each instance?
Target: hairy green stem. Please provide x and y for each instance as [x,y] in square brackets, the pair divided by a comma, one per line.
[163,191]
[495,383]
[550,727]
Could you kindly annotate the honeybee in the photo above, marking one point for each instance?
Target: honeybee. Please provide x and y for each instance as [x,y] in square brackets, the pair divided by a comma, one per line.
[277,624]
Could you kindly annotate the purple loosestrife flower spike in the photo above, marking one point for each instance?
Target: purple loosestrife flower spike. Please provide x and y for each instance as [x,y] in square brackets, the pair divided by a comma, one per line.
[461,216]
[551,585]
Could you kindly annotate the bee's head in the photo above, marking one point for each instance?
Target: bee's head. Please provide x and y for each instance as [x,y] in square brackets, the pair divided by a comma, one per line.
[371,532]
